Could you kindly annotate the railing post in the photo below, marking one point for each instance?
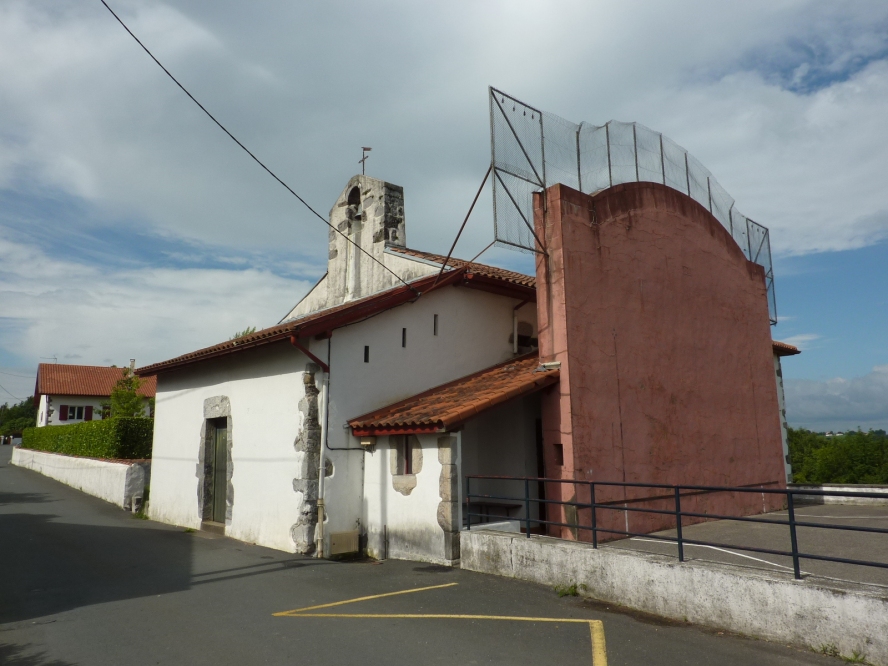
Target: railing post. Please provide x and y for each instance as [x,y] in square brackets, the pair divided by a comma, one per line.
[792,535]
[681,552]
[527,506]
[468,506]
[594,519]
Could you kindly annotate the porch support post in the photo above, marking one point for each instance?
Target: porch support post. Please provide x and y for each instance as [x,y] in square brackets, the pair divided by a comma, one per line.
[448,485]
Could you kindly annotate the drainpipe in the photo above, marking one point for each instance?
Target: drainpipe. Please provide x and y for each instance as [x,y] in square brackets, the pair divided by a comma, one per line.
[322,460]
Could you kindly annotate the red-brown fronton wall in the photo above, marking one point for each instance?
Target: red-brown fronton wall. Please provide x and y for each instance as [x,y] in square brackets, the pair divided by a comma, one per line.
[661,326]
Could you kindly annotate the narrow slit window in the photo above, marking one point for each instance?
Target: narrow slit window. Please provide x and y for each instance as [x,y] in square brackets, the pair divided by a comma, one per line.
[403,337]
[559,454]
[366,353]
[435,326]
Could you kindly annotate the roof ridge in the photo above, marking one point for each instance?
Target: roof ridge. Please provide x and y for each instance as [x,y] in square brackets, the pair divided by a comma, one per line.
[462,262]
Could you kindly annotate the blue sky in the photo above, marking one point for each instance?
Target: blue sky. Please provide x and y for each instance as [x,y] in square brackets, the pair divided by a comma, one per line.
[131,227]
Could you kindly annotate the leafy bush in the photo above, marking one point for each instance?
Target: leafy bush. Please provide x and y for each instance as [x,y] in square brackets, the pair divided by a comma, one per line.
[855,457]
[124,437]
[18,417]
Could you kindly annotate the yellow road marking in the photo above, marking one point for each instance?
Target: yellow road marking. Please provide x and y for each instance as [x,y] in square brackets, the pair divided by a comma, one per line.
[596,628]
[599,649]
[445,616]
[375,596]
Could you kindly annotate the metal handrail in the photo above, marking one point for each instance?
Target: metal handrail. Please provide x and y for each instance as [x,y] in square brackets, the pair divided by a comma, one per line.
[677,491]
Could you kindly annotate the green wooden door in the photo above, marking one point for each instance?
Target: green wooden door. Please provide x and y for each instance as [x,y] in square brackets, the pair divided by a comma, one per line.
[220,472]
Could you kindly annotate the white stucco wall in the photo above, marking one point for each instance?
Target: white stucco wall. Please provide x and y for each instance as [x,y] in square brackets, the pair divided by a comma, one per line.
[114,482]
[264,387]
[473,333]
[409,521]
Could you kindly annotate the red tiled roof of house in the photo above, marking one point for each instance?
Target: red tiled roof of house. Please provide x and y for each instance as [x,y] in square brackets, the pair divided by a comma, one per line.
[447,406]
[91,380]
[480,269]
[784,349]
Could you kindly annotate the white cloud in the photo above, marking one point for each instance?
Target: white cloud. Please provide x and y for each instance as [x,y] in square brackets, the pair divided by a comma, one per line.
[93,316]
[803,340]
[839,403]
[85,110]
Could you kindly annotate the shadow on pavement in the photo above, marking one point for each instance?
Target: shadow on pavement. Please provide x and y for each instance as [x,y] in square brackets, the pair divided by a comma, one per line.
[24,498]
[51,566]
[20,655]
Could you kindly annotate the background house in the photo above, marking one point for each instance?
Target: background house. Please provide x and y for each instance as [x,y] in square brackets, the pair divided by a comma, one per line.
[68,394]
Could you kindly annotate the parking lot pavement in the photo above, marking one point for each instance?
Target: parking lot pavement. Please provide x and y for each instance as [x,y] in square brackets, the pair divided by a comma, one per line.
[869,546]
[85,583]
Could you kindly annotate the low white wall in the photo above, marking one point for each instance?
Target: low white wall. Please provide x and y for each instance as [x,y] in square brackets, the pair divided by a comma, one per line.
[850,488]
[756,603]
[114,482]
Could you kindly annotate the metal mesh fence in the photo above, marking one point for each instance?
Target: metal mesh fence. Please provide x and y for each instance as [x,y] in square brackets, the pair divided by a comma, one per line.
[532,149]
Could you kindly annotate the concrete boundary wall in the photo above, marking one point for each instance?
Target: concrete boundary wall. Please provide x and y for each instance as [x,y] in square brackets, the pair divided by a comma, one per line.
[756,603]
[845,488]
[115,482]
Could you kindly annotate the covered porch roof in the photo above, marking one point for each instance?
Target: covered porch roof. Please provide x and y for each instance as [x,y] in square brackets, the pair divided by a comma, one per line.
[446,407]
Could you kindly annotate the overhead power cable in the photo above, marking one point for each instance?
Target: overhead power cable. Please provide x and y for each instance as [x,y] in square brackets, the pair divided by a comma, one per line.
[14,396]
[21,376]
[248,152]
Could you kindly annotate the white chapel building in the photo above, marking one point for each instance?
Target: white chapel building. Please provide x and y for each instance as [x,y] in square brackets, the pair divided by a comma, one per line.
[366,404]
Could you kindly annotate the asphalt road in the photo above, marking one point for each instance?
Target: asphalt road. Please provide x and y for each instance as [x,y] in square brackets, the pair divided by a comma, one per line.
[85,583]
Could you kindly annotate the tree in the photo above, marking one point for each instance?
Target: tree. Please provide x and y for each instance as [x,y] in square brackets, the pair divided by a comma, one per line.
[18,417]
[125,401]
[246,331]
[855,457]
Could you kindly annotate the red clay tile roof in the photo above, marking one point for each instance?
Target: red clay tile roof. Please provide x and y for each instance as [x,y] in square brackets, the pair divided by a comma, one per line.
[447,406]
[329,319]
[784,349]
[479,269]
[91,380]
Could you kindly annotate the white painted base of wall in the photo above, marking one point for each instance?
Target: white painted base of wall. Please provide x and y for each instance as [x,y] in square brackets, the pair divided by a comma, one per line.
[114,482]
[850,488]
[756,603]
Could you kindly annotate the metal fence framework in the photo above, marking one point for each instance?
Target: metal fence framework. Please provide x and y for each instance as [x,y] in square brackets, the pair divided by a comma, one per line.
[533,149]
[675,493]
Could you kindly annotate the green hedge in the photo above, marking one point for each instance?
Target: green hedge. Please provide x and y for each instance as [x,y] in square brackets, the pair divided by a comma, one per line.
[123,437]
